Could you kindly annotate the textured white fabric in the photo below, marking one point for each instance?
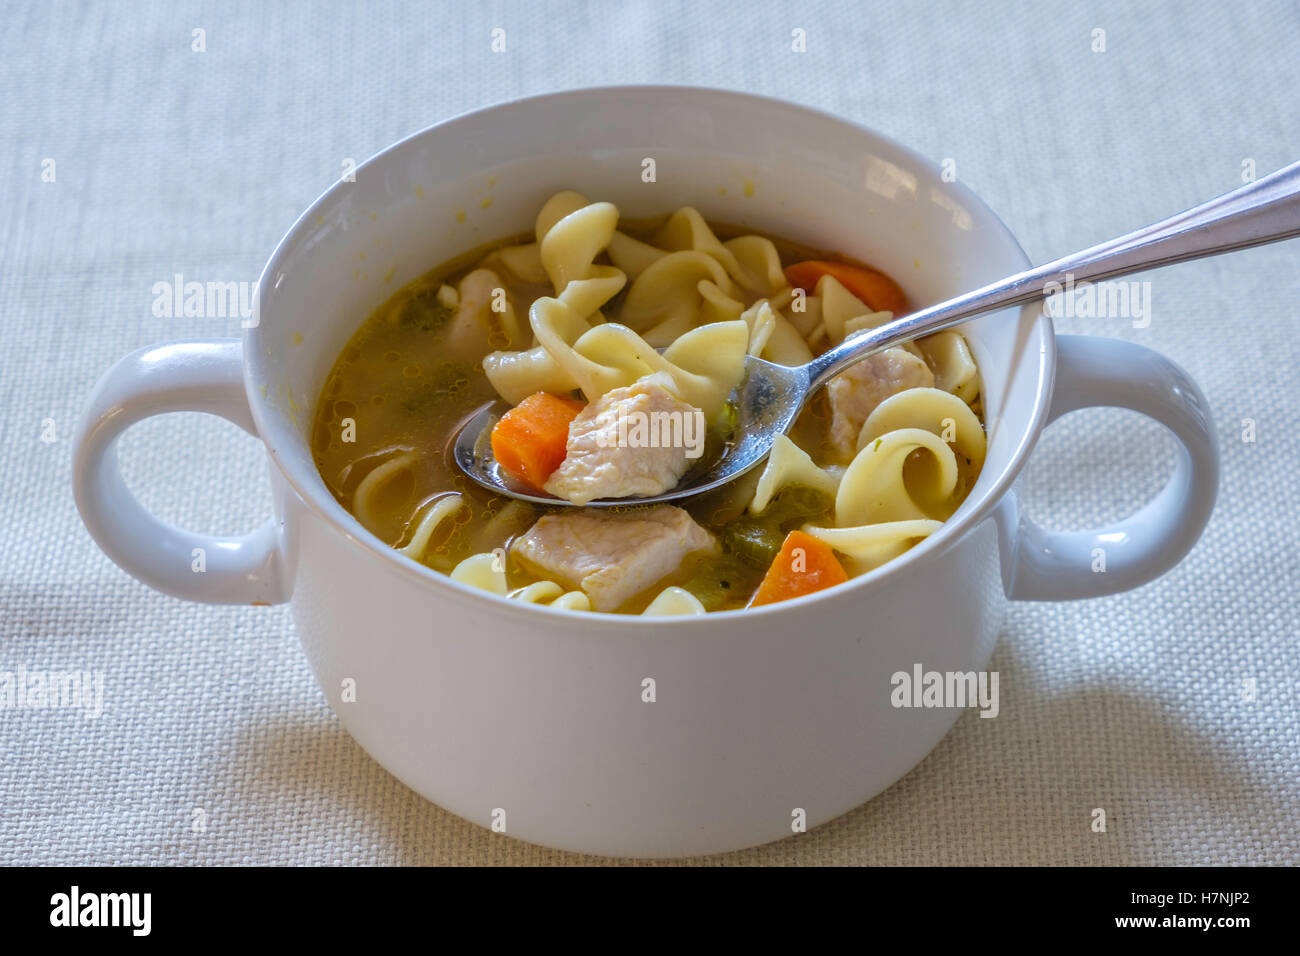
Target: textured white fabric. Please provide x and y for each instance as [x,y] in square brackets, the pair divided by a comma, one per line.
[173,161]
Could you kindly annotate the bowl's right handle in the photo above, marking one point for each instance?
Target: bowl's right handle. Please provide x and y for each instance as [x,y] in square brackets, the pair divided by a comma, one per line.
[197,376]
[1048,565]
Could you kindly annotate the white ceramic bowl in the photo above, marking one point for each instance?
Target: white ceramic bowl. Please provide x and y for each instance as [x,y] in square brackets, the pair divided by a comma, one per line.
[532,720]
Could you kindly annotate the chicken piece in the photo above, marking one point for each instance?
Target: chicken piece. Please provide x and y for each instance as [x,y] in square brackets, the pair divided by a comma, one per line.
[483,318]
[637,440]
[855,393]
[612,556]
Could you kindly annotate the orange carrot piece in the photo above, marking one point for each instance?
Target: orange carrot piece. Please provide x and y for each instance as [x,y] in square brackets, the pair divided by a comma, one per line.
[531,439]
[874,288]
[803,565]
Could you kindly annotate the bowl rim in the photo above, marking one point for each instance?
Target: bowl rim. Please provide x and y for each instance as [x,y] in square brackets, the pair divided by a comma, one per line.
[860,588]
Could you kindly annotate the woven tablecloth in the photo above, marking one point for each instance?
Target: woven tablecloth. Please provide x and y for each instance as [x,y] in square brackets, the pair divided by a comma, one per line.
[128,155]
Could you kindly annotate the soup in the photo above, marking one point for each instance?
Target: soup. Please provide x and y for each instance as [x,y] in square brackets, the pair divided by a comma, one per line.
[566,325]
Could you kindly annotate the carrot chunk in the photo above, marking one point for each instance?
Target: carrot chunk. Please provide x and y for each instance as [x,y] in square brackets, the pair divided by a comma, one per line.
[803,565]
[874,288]
[531,439]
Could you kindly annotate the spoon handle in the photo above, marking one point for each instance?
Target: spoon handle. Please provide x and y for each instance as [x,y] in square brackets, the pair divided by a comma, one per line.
[1267,210]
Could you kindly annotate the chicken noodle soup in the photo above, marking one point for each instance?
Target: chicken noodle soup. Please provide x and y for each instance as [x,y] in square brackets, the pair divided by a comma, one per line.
[567,326]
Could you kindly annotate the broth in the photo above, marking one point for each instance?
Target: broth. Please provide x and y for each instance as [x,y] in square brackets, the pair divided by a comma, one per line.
[408,378]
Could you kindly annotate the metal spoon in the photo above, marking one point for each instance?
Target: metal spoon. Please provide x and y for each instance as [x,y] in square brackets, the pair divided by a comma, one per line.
[771,396]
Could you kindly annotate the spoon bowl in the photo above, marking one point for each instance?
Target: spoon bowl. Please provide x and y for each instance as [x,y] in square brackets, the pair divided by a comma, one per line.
[768,400]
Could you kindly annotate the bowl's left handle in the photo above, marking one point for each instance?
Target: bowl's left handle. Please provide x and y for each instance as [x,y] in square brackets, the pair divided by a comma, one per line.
[188,376]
